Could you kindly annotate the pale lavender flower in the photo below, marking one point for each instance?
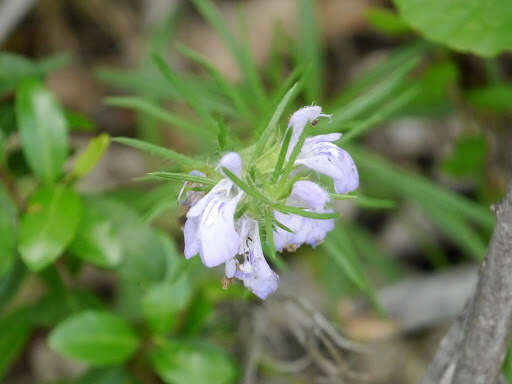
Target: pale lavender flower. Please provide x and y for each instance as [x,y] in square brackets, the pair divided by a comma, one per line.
[298,122]
[312,197]
[210,226]
[253,270]
[320,154]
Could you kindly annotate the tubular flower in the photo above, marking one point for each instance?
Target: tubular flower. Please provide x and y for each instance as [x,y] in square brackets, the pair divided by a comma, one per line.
[210,226]
[253,270]
[212,230]
[312,197]
[319,153]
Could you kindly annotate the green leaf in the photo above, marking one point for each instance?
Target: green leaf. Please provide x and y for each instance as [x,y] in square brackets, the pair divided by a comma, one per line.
[92,154]
[59,304]
[14,333]
[186,92]
[10,283]
[309,50]
[178,362]
[180,177]
[110,375]
[13,68]
[467,158]
[225,85]
[338,245]
[303,212]
[164,300]
[94,337]
[43,130]
[386,21]
[419,189]
[48,226]
[495,97]
[247,188]
[465,25]
[78,122]
[8,232]
[153,110]
[282,156]
[165,153]
[97,241]
[382,114]
[272,124]
[239,51]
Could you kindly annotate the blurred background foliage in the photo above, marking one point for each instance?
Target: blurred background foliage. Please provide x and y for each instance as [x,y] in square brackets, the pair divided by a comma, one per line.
[93,284]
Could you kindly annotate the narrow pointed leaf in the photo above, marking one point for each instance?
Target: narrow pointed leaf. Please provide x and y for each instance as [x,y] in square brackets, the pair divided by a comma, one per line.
[165,153]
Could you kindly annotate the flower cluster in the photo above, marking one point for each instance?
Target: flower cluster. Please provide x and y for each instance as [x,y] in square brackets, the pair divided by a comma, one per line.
[221,233]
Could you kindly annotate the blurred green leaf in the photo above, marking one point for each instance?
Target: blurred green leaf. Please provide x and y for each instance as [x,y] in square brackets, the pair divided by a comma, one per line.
[417,188]
[178,362]
[377,93]
[110,375]
[467,158]
[186,92]
[198,312]
[309,50]
[97,241]
[231,91]
[57,305]
[145,106]
[7,118]
[79,122]
[92,154]
[338,246]
[386,21]
[8,232]
[11,281]
[494,97]
[14,333]
[164,300]
[165,153]
[239,51]
[472,25]
[14,68]
[434,85]
[43,130]
[144,254]
[94,337]
[48,226]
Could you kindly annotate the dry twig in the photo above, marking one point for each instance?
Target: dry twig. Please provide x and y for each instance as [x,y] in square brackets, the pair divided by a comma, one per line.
[474,348]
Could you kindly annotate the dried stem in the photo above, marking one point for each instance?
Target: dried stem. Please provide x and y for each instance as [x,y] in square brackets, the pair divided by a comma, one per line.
[473,350]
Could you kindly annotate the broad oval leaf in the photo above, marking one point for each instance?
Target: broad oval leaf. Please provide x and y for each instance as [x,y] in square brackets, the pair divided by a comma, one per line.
[481,27]
[48,226]
[97,241]
[43,130]
[164,300]
[179,362]
[94,337]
